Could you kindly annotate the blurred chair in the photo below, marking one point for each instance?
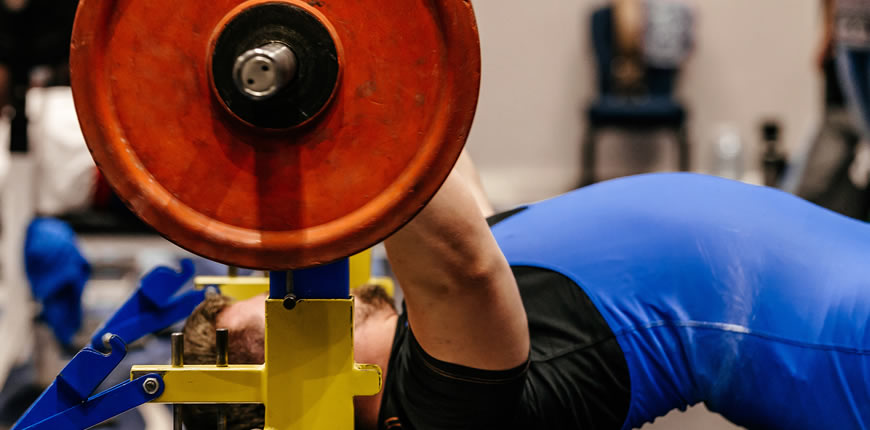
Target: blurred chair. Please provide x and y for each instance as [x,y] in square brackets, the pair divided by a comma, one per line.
[647,103]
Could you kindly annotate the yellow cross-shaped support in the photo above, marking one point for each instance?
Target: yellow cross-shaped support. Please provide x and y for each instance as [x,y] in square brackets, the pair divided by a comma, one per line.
[309,377]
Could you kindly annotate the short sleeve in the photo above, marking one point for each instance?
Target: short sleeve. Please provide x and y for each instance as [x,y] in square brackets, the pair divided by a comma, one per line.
[436,395]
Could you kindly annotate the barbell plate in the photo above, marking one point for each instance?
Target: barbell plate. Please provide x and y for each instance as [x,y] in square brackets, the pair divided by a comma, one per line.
[247,196]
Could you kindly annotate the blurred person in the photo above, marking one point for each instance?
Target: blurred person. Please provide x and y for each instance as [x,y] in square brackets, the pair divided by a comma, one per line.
[4,86]
[34,51]
[36,33]
[832,174]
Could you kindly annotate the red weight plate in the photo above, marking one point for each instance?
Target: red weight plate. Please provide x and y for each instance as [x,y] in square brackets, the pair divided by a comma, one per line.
[398,119]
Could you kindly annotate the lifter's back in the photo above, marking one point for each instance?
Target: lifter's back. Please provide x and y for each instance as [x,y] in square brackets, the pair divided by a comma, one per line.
[744,297]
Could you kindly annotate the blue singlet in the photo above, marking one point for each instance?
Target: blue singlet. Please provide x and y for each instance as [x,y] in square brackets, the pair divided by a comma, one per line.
[742,297]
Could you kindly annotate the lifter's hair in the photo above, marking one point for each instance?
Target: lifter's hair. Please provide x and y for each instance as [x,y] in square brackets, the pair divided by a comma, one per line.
[199,348]
[370,299]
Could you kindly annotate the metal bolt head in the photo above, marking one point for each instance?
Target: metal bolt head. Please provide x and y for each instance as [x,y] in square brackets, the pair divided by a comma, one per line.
[290,302]
[151,385]
[107,339]
[262,72]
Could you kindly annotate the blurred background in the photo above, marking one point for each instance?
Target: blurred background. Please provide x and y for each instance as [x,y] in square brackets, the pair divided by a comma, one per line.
[750,62]
[573,92]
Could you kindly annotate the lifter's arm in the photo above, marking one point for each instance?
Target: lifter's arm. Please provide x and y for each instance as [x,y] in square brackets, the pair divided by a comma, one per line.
[463,303]
[468,171]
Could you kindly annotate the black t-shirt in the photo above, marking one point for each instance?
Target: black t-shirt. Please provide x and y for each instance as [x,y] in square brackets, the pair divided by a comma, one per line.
[576,376]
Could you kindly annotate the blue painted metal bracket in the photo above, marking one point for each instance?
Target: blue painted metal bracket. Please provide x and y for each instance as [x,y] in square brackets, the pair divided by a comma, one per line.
[65,403]
[153,306]
[103,406]
[330,281]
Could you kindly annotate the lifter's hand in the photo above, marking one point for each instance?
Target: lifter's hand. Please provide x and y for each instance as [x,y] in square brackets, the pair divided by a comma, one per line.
[463,304]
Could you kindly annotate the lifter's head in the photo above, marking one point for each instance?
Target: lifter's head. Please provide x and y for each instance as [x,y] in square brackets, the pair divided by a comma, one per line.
[374,326]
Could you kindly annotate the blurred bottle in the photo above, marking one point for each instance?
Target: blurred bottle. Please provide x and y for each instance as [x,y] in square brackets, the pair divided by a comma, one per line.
[728,154]
[773,160]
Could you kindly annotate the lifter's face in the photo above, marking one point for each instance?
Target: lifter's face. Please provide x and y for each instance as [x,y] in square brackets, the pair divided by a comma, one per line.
[372,344]
[244,314]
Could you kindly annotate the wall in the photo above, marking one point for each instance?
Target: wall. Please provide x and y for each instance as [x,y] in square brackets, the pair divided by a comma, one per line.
[753,60]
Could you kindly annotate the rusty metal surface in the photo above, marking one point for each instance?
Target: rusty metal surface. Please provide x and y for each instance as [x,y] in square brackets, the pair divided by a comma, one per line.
[248,197]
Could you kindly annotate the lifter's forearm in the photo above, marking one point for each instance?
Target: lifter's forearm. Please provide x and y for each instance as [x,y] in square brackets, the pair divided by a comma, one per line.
[463,302]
